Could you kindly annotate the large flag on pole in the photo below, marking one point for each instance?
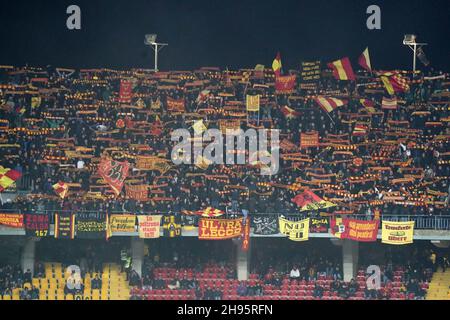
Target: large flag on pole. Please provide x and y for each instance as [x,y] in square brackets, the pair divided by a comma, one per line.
[276,65]
[364,60]
[342,69]
[329,104]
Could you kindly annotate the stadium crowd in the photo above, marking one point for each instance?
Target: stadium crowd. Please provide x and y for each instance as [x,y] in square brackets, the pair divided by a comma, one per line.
[57,123]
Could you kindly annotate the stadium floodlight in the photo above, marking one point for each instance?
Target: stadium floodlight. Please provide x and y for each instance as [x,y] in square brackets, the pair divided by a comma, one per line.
[410,41]
[150,40]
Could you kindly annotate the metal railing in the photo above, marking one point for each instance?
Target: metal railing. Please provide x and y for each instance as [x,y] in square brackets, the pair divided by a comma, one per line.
[422,222]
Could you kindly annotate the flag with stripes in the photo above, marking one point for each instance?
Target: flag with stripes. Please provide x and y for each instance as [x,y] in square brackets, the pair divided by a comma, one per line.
[389,103]
[394,82]
[329,104]
[360,130]
[61,189]
[342,69]
[364,60]
[8,177]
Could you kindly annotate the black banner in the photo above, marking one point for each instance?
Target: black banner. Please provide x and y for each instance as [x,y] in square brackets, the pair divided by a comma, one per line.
[91,225]
[265,225]
[36,225]
[319,225]
[171,226]
[64,226]
[310,71]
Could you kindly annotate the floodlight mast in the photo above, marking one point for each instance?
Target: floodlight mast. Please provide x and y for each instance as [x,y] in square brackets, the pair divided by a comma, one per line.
[150,40]
[410,41]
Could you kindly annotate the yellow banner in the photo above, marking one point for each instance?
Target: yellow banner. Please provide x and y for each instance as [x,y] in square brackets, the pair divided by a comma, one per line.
[295,230]
[122,223]
[397,233]
[252,103]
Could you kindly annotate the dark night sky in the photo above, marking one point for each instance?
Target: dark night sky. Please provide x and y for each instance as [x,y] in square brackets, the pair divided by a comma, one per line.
[220,33]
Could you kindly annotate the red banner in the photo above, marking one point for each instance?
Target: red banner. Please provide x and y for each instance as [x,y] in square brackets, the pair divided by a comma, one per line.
[285,84]
[357,230]
[219,229]
[246,235]
[125,93]
[114,173]
[13,220]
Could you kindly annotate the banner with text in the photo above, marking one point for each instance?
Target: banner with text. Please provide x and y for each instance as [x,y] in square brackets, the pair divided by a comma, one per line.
[397,233]
[295,230]
[219,229]
[149,226]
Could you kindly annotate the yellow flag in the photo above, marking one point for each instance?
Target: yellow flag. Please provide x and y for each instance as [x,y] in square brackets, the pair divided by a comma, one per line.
[35,102]
[199,127]
[387,85]
[202,163]
[252,103]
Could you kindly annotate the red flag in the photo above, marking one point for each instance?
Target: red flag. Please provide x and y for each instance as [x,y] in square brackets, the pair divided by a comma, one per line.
[114,173]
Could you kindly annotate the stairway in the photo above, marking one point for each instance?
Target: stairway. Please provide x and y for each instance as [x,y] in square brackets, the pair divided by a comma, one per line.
[439,286]
[114,283]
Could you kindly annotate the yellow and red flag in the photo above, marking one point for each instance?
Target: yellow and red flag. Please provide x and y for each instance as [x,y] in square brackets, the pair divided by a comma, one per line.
[308,200]
[342,69]
[394,82]
[61,189]
[276,65]
[389,103]
[364,60]
[8,177]
[329,104]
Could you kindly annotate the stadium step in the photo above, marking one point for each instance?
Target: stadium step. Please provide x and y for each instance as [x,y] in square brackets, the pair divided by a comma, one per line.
[439,288]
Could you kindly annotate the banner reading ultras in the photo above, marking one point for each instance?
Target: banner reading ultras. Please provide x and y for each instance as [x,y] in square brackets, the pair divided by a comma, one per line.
[397,233]
[219,229]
